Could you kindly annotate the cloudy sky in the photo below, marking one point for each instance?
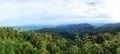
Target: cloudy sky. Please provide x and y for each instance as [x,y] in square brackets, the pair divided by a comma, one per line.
[46,12]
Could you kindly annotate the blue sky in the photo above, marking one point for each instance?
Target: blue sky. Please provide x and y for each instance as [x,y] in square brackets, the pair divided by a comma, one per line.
[49,12]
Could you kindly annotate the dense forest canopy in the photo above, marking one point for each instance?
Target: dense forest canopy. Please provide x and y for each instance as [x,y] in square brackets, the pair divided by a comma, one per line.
[19,42]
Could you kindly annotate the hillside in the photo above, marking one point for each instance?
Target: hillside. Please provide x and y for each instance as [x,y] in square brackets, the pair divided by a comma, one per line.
[69,31]
[18,42]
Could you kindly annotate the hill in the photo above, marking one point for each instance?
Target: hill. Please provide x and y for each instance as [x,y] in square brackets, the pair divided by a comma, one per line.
[69,31]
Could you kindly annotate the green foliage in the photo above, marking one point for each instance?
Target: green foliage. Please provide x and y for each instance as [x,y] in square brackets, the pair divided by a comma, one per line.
[17,42]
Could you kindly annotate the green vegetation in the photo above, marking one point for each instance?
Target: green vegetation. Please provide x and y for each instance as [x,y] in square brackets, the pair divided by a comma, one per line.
[17,42]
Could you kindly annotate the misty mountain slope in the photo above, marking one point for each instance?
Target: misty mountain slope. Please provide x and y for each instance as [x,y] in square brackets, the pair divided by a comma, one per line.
[32,27]
[76,28]
[111,28]
[71,30]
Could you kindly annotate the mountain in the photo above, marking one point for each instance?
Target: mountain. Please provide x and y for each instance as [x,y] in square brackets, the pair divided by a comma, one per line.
[76,28]
[31,27]
[68,31]
[111,28]
[71,30]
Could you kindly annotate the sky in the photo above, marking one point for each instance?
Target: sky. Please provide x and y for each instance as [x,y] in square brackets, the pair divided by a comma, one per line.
[50,12]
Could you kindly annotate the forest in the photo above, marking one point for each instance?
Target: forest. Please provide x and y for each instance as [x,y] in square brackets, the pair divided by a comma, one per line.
[58,41]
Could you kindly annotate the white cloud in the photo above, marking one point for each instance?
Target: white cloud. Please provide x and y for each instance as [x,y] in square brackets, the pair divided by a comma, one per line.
[60,10]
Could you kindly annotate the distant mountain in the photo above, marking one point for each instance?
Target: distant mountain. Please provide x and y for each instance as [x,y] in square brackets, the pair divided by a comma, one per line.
[76,28]
[71,30]
[111,28]
[110,25]
[98,24]
[32,27]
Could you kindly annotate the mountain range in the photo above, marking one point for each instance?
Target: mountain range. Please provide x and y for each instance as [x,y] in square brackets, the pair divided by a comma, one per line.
[71,30]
